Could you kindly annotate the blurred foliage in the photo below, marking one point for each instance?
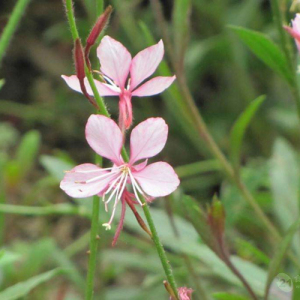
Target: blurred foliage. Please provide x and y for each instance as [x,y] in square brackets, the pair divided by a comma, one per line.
[44,234]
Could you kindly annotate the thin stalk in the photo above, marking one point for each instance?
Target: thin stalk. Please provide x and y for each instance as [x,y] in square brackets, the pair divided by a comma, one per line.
[279,20]
[200,126]
[12,25]
[94,239]
[103,110]
[160,249]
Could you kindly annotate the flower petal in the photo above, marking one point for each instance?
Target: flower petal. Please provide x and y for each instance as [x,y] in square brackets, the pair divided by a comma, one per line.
[147,139]
[145,63]
[154,86]
[74,183]
[103,88]
[115,60]
[105,137]
[157,179]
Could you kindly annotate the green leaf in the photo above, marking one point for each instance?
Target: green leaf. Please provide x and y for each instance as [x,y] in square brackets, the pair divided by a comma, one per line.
[239,128]
[227,296]
[280,254]
[23,288]
[7,257]
[181,13]
[55,166]
[285,177]
[2,81]
[27,151]
[266,50]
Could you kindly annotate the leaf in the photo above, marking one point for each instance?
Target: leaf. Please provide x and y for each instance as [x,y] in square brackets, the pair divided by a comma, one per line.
[7,257]
[181,13]
[239,128]
[227,296]
[23,288]
[285,176]
[2,81]
[280,254]
[27,151]
[55,166]
[266,50]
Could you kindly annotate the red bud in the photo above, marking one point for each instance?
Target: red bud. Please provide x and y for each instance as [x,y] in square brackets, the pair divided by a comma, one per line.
[95,32]
[80,72]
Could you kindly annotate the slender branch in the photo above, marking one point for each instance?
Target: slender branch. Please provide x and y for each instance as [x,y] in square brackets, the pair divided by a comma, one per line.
[200,125]
[11,26]
[279,20]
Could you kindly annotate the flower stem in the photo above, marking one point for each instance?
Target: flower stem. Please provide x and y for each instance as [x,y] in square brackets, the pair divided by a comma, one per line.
[279,20]
[95,215]
[94,239]
[159,247]
[11,26]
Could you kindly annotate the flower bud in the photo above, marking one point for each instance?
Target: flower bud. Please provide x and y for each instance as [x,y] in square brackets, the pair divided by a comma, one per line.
[95,32]
[216,218]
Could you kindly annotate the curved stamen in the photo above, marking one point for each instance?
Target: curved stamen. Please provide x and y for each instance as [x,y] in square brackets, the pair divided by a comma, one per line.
[92,171]
[99,177]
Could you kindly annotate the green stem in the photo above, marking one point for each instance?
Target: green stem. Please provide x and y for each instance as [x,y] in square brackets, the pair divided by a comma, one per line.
[11,26]
[94,239]
[92,261]
[160,249]
[58,209]
[287,49]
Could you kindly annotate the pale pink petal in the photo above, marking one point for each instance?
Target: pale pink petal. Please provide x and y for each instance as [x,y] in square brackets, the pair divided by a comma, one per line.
[145,63]
[105,137]
[154,86]
[75,182]
[147,139]
[140,166]
[157,179]
[115,60]
[104,89]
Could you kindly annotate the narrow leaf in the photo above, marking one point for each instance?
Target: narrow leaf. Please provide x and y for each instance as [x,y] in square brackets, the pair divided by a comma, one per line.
[239,128]
[266,50]
[23,288]
[280,254]
[27,151]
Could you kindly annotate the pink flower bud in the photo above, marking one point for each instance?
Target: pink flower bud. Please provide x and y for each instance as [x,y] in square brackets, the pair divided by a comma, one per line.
[79,60]
[185,293]
[95,32]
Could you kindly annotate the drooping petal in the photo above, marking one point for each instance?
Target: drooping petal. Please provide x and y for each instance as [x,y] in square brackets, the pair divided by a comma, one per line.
[154,86]
[147,139]
[157,179]
[76,185]
[104,89]
[145,63]
[115,60]
[104,137]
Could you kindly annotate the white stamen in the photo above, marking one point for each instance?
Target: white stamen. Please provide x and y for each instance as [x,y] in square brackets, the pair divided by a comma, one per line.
[113,184]
[116,189]
[107,226]
[136,184]
[123,187]
[92,171]
[99,177]
[109,81]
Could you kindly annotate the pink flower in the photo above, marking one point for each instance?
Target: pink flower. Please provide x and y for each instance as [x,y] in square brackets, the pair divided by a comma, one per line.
[124,76]
[105,138]
[185,293]
[294,31]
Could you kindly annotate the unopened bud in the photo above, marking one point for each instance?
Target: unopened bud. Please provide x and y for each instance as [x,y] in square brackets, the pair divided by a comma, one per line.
[169,290]
[79,59]
[80,72]
[96,31]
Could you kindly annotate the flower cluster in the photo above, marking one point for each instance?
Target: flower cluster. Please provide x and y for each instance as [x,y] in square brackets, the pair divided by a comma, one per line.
[124,181]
